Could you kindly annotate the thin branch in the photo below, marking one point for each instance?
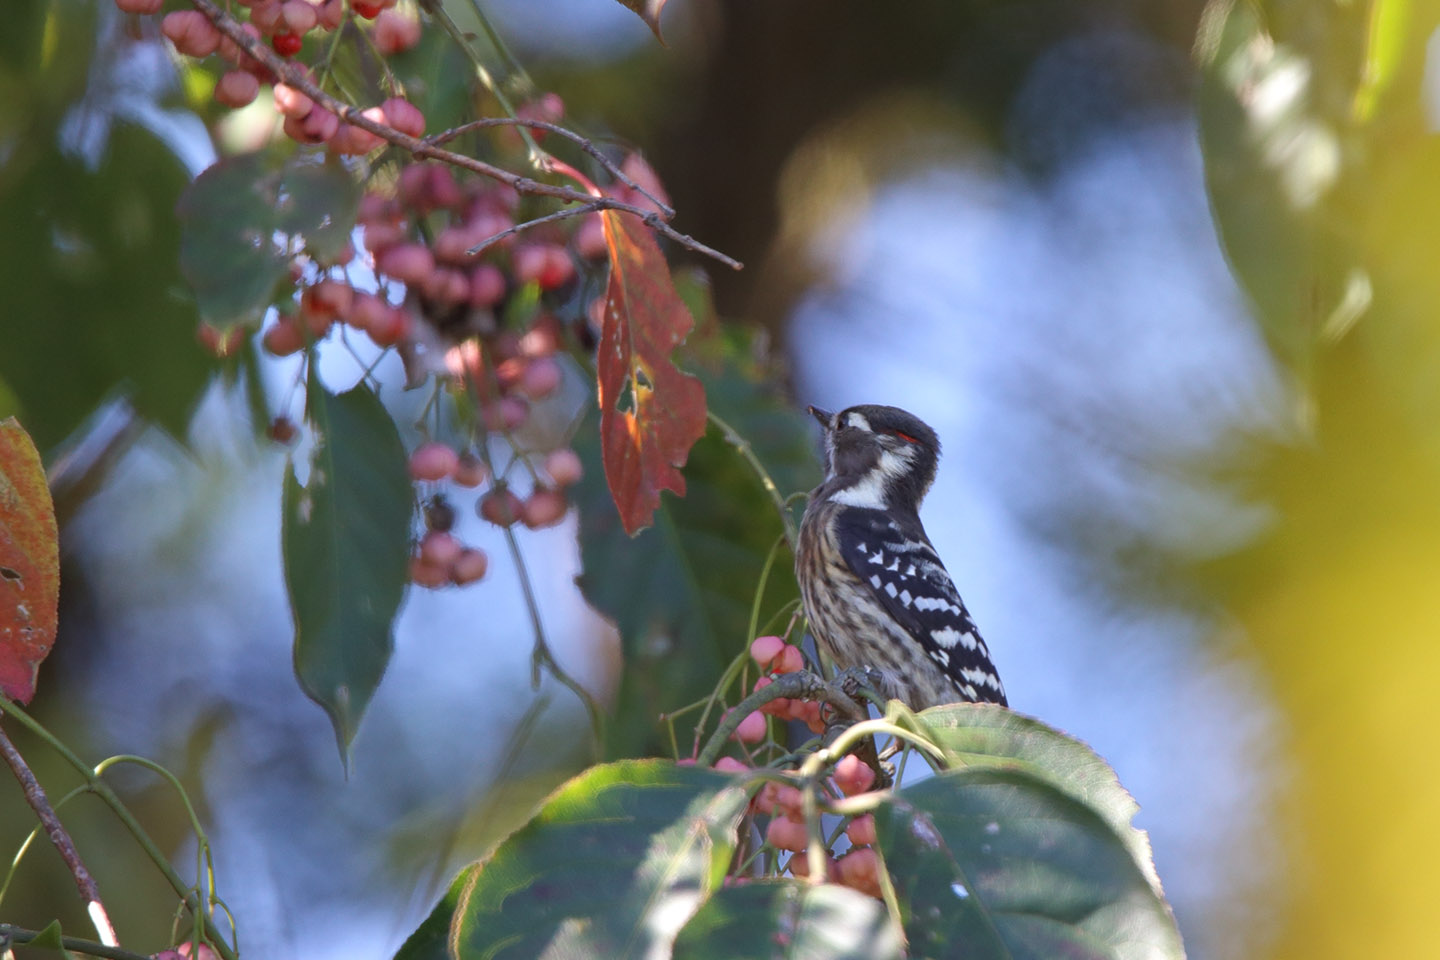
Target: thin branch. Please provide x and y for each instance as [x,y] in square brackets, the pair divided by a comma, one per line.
[582,142]
[190,896]
[9,933]
[293,75]
[802,685]
[564,214]
[542,654]
[55,830]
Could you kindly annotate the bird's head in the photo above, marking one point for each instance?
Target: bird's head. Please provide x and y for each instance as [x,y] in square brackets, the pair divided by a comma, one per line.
[877,457]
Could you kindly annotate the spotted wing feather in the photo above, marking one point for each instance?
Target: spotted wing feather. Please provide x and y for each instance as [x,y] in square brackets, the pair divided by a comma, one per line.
[895,559]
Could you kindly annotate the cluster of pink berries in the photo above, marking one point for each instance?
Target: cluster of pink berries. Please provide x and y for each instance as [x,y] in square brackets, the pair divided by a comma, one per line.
[284,24]
[441,558]
[776,656]
[859,867]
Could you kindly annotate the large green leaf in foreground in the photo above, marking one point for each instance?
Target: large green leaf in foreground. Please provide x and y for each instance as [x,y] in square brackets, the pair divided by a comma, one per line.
[797,921]
[346,541]
[1003,862]
[612,866]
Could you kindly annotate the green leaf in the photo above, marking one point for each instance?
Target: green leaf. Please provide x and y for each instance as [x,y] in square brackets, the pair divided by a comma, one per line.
[88,259]
[346,540]
[431,940]
[983,734]
[681,591]
[795,920]
[998,863]
[243,215]
[51,938]
[612,866]
[229,253]
[318,203]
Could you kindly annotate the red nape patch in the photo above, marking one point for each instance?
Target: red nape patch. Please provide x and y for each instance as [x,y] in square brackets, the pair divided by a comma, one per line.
[906,437]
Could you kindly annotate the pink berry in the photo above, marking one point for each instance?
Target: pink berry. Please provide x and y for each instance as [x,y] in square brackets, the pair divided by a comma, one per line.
[791,660]
[439,548]
[267,16]
[331,296]
[764,650]
[291,102]
[139,6]
[784,834]
[381,235]
[352,141]
[366,311]
[752,729]
[852,776]
[542,339]
[528,262]
[191,31]
[427,574]
[432,461]
[319,125]
[540,378]
[284,338]
[411,187]
[236,88]
[563,467]
[487,286]
[506,414]
[452,245]
[393,328]
[543,508]
[407,262]
[861,830]
[404,116]
[860,869]
[470,471]
[375,208]
[332,14]
[395,33]
[501,507]
[299,17]
[469,566]
[446,286]
[731,765]
[590,238]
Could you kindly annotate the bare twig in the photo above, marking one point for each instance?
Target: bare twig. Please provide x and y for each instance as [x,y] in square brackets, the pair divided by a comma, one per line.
[55,830]
[517,228]
[583,143]
[189,896]
[802,685]
[293,75]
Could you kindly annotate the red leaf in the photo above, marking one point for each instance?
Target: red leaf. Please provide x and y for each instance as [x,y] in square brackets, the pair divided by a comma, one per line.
[29,563]
[651,414]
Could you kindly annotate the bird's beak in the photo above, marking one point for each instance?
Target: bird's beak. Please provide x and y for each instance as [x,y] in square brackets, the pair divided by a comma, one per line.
[824,416]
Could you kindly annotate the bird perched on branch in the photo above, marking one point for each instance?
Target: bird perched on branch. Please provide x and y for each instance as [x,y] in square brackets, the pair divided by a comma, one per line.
[876,594]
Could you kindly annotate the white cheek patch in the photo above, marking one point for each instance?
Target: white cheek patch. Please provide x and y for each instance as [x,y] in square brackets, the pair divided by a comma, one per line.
[858,421]
[869,491]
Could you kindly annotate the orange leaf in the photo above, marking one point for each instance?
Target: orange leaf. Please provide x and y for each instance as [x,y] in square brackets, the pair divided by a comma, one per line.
[651,414]
[29,563]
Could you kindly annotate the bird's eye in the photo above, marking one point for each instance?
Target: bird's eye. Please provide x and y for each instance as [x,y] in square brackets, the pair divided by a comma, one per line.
[904,436]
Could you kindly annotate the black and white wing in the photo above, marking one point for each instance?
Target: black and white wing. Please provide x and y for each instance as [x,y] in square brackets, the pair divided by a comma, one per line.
[894,558]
